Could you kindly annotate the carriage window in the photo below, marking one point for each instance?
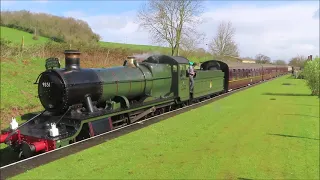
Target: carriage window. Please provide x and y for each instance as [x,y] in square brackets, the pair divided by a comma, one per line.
[183,71]
[174,68]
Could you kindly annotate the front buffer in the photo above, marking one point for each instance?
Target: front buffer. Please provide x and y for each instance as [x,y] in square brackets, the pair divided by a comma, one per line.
[26,141]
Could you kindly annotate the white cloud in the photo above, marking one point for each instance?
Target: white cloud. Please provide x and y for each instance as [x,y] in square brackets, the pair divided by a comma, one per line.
[41,1]
[280,32]
[115,28]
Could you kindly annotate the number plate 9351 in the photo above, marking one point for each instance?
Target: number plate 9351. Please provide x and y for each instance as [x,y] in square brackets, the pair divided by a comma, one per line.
[46,84]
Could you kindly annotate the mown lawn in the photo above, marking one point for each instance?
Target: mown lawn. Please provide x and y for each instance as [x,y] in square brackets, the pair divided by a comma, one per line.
[270,131]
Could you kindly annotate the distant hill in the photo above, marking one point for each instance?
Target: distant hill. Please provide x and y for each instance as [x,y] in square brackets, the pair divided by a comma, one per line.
[15,36]
[58,28]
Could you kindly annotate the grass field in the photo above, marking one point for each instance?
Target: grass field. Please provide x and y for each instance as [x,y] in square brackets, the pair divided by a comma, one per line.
[145,48]
[15,36]
[270,131]
[18,93]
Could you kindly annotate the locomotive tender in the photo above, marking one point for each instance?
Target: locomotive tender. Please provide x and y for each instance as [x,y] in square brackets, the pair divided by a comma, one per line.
[83,102]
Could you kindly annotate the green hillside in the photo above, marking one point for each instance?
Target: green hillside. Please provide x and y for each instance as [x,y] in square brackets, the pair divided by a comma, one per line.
[145,48]
[15,36]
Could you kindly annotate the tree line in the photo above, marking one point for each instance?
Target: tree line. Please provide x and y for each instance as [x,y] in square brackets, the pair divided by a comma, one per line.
[59,29]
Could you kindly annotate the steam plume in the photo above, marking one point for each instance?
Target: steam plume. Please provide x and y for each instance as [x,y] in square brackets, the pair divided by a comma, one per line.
[143,56]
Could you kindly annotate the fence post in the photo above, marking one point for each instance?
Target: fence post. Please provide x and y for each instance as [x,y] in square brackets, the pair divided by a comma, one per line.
[22,43]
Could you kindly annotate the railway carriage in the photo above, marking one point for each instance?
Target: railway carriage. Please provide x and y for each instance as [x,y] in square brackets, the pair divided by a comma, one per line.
[282,69]
[208,82]
[269,71]
[236,75]
[83,102]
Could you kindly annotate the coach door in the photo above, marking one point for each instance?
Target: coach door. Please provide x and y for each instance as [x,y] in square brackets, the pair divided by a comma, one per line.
[183,83]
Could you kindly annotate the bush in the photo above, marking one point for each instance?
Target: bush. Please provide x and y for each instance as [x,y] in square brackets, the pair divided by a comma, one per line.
[34,37]
[311,73]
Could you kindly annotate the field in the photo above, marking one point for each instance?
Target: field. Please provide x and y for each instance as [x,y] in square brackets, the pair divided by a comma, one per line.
[146,48]
[18,93]
[16,36]
[270,131]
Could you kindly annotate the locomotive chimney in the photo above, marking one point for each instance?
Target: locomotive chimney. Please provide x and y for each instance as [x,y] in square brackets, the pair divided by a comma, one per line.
[72,59]
[131,62]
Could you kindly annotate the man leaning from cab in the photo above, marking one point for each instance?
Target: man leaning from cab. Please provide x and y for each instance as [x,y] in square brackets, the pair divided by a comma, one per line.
[191,73]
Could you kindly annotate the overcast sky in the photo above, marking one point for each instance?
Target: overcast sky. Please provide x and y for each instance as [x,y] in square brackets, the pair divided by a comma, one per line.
[278,29]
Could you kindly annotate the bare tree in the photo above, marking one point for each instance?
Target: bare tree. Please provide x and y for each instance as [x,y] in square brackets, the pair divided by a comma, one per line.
[298,61]
[223,43]
[171,21]
[262,59]
[189,44]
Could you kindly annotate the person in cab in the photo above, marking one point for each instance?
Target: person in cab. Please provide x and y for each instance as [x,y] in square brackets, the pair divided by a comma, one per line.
[191,73]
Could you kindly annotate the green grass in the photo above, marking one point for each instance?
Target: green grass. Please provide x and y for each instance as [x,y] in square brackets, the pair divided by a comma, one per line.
[17,79]
[15,36]
[246,135]
[145,48]
[18,93]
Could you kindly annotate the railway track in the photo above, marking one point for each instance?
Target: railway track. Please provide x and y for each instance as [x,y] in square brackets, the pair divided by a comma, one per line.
[21,166]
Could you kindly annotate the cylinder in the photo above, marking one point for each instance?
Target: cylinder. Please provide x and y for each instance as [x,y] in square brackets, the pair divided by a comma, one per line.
[72,59]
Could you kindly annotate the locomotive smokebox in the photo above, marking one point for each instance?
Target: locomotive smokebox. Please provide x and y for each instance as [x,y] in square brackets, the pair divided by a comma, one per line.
[72,59]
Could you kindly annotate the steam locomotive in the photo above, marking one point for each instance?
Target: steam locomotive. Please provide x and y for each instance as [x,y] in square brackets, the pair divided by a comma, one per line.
[84,102]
